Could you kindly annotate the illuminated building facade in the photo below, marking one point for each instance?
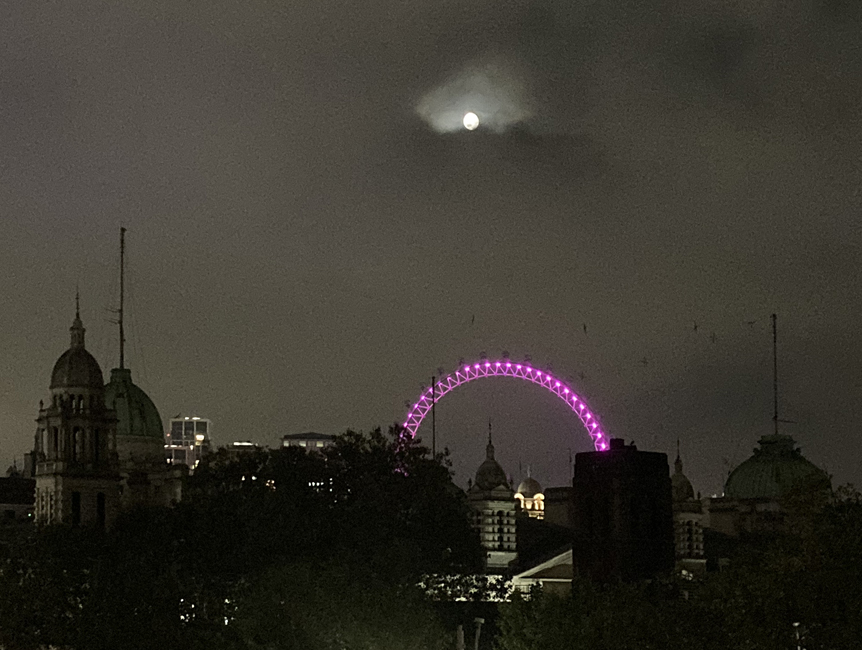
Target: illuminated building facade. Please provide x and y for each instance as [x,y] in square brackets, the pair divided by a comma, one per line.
[241,447]
[530,498]
[310,441]
[187,440]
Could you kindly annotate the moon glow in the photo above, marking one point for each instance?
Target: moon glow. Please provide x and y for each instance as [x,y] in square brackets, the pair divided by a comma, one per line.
[471,121]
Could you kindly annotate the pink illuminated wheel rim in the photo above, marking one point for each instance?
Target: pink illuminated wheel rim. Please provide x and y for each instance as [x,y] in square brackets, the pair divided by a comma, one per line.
[507,368]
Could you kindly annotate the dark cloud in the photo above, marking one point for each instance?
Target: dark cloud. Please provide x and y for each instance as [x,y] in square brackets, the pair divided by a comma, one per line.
[304,251]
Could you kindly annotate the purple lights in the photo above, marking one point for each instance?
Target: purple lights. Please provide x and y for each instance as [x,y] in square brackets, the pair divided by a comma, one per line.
[505,369]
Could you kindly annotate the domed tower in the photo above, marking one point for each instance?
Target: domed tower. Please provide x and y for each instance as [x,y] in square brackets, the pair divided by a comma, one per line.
[775,469]
[531,497]
[755,491]
[145,476]
[688,520]
[75,445]
[493,504]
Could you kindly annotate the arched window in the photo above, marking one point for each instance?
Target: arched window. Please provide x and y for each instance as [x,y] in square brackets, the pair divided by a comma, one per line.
[76,441]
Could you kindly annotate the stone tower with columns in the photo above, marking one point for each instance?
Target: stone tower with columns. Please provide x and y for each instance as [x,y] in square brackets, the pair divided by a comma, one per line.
[75,450]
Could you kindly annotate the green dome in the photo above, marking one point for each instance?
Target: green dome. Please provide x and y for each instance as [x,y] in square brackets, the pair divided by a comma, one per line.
[136,413]
[681,489]
[772,471]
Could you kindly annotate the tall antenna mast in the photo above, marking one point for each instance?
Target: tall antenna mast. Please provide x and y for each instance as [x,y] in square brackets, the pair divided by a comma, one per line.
[122,295]
[433,417]
[775,372]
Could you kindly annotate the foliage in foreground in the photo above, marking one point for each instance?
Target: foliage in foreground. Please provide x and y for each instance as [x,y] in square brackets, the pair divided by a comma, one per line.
[811,576]
[275,549]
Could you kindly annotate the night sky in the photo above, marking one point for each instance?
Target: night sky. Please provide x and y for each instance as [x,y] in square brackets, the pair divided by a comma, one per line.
[311,235]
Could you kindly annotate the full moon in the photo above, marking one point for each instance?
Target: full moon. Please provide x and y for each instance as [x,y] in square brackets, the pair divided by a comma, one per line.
[471,121]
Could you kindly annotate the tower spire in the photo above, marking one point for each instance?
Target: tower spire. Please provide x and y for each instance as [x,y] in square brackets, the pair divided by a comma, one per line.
[489,450]
[77,330]
[122,295]
[677,465]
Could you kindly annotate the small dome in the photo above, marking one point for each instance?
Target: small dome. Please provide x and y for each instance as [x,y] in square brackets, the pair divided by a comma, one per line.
[529,488]
[681,488]
[490,475]
[136,413]
[76,368]
[772,472]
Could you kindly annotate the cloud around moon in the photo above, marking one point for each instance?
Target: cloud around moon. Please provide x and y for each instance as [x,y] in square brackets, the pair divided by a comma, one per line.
[491,87]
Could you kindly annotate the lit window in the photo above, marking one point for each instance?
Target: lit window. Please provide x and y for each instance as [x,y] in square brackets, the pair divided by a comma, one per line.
[302,443]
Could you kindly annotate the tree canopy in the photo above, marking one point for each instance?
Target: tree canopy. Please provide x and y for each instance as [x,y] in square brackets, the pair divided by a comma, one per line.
[268,549]
[806,581]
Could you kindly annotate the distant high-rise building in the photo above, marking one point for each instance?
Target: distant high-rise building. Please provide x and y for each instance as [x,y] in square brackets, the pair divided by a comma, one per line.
[623,519]
[307,440]
[241,447]
[187,440]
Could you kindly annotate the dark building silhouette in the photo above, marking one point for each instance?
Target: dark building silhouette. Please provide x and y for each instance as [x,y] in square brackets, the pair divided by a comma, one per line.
[17,496]
[755,492]
[623,520]
[558,506]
